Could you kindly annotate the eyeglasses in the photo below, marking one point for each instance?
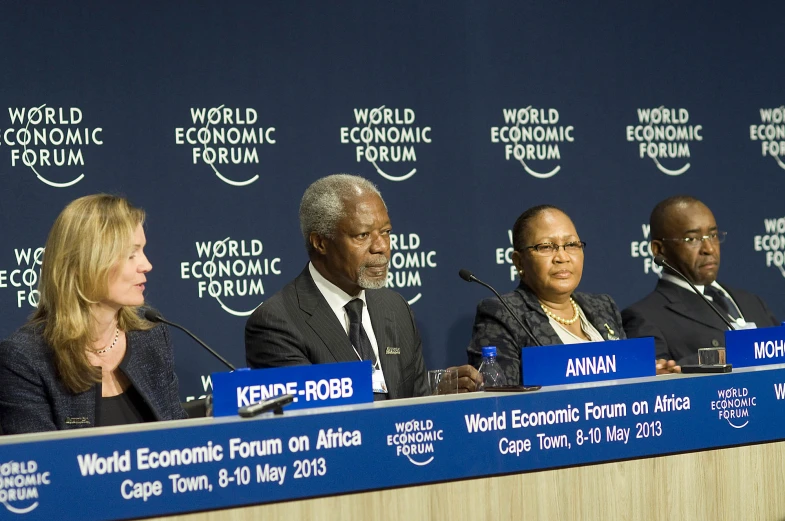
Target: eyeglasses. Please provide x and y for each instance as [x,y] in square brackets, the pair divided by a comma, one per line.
[548,248]
[694,242]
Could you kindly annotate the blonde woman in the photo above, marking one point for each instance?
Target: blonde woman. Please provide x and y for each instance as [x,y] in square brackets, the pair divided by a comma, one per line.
[87,358]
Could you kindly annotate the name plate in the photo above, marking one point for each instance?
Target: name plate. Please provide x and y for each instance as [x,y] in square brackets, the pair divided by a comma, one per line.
[749,347]
[317,385]
[588,362]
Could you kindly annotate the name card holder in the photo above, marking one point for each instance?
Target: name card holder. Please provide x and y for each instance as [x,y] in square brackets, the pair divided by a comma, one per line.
[588,362]
[317,385]
[751,347]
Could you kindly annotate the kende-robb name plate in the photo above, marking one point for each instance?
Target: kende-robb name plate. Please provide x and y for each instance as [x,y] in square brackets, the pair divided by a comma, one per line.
[318,385]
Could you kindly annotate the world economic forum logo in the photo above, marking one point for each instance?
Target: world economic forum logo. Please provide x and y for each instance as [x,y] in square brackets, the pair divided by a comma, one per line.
[223,138]
[503,257]
[22,276]
[533,137]
[50,142]
[733,405]
[664,135]
[772,243]
[416,440]
[231,271]
[770,133]
[641,249]
[388,139]
[408,261]
[20,483]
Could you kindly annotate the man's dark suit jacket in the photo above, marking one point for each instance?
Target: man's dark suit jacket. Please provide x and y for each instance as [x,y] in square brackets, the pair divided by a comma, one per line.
[681,323]
[493,326]
[34,399]
[296,326]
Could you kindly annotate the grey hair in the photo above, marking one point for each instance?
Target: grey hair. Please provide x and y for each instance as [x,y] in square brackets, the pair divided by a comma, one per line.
[324,203]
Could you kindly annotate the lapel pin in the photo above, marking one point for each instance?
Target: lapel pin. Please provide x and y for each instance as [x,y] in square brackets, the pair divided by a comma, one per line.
[393,351]
[611,333]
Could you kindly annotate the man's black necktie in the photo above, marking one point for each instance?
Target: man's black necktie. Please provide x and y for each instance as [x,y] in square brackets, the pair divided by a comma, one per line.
[357,334]
[724,303]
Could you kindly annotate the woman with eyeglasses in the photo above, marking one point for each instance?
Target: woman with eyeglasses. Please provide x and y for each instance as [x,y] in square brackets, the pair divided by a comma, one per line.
[549,258]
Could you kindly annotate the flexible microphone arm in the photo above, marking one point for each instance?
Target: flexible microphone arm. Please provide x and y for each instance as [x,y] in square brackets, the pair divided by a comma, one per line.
[154,316]
[468,277]
[659,260]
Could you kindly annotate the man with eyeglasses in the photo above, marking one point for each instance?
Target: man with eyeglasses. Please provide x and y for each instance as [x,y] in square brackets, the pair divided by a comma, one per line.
[684,231]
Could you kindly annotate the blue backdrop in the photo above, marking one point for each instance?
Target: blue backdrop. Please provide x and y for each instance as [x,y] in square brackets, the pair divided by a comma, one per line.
[214,117]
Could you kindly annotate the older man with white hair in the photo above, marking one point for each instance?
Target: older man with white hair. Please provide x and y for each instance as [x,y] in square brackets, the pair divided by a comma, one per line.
[338,309]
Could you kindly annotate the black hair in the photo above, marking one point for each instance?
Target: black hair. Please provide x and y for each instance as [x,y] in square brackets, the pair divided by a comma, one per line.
[659,215]
[520,228]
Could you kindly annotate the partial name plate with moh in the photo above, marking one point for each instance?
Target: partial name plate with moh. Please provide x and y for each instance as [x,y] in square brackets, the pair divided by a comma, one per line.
[752,347]
[588,362]
[318,385]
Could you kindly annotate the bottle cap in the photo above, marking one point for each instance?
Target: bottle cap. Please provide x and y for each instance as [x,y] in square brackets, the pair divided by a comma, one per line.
[488,351]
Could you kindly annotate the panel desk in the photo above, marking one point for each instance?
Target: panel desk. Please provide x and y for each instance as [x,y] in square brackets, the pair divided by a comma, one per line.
[672,447]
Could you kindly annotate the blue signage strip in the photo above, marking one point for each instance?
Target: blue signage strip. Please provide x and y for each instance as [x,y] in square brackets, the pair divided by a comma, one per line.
[751,347]
[588,362]
[177,467]
[322,385]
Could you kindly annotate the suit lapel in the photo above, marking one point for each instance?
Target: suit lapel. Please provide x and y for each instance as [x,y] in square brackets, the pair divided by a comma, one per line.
[83,410]
[322,319]
[382,323]
[536,319]
[596,316]
[692,309]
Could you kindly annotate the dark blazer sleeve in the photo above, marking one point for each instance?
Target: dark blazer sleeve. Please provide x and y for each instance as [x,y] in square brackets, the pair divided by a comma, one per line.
[617,318]
[149,365]
[174,409]
[772,319]
[603,313]
[416,369]
[492,328]
[24,403]
[637,326]
[272,338]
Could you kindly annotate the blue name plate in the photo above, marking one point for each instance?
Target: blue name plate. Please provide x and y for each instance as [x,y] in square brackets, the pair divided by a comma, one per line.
[749,347]
[588,362]
[317,385]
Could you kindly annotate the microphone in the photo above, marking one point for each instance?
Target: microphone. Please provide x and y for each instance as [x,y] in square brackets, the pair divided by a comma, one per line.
[469,277]
[154,316]
[659,260]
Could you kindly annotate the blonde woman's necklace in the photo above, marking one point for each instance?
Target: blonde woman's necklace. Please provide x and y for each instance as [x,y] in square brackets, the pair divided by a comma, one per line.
[110,346]
[560,320]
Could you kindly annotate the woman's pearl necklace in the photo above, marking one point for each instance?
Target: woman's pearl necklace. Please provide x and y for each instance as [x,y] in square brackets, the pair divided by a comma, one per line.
[560,320]
[114,343]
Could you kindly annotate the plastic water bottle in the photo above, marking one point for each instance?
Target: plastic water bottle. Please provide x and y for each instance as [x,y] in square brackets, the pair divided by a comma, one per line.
[492,375]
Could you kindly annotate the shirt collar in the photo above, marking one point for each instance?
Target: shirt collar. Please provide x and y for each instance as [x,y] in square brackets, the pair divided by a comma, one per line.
[336,297]
[675,279]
